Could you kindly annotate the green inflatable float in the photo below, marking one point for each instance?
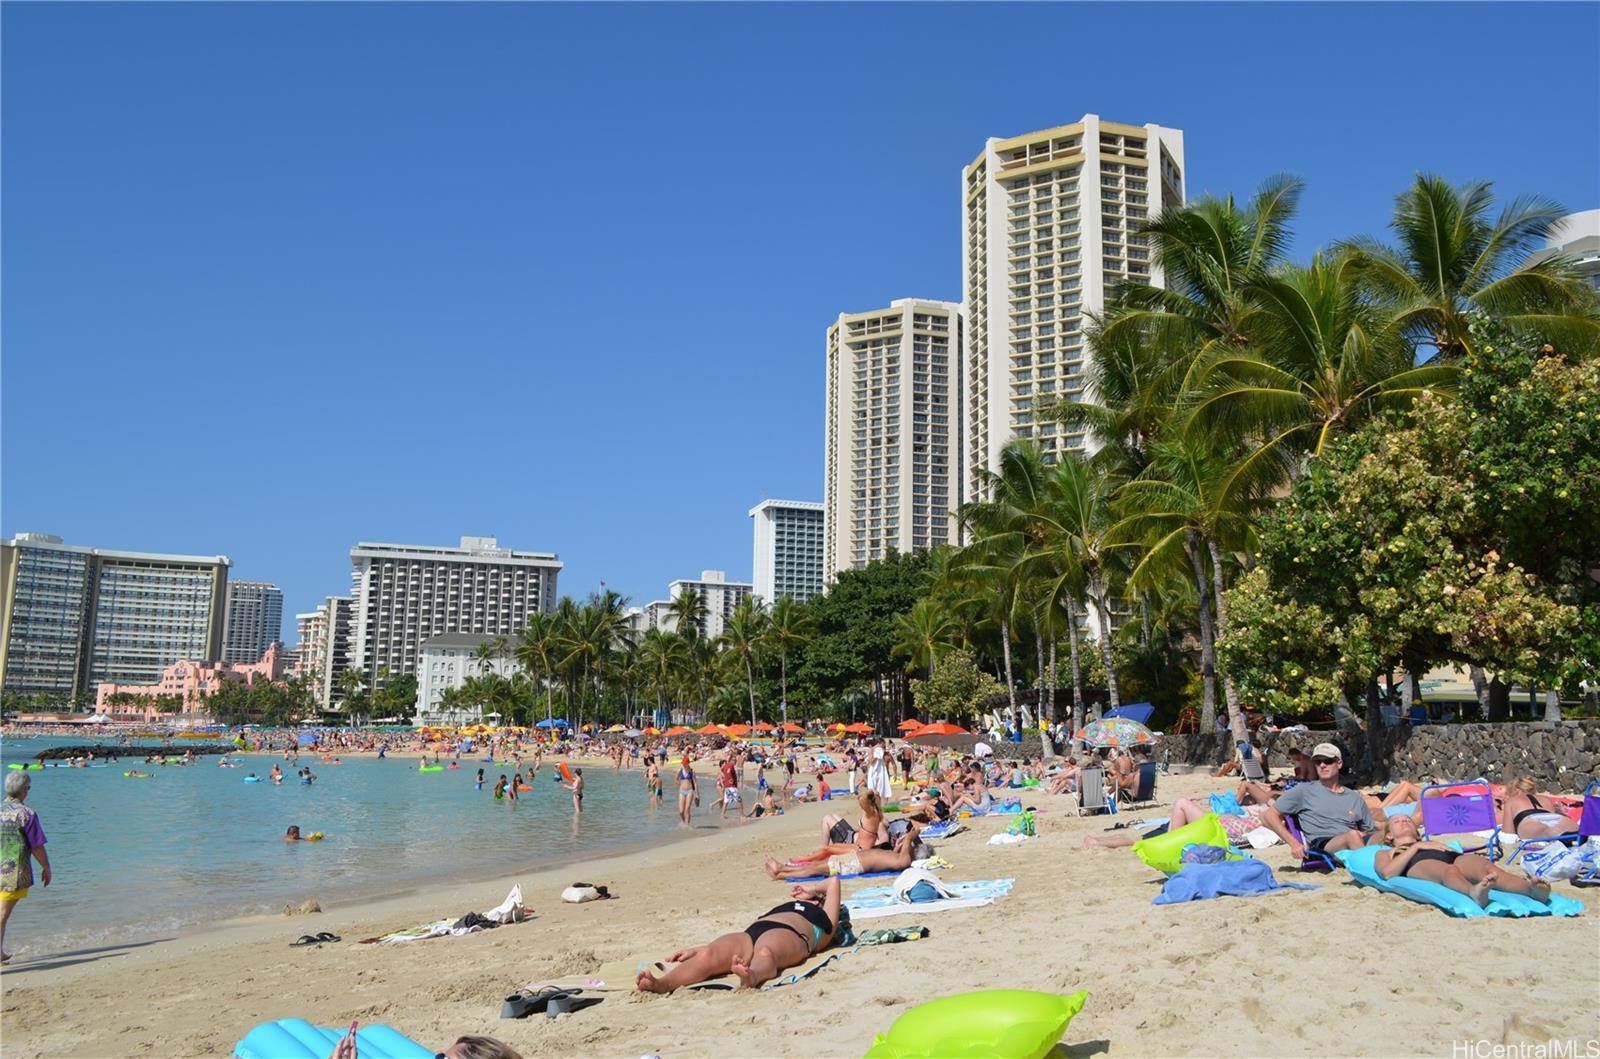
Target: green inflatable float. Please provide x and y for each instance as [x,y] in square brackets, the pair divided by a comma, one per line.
[1163,851]
[1006,1023]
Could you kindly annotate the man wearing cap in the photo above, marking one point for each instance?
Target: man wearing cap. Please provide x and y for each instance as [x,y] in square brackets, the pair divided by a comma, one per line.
[1332,816]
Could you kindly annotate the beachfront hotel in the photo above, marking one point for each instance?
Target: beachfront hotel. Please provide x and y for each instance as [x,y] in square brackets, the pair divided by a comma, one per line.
[1049,224]
[405,594]
[788,549]
[75,617]
[253,620]
[719,597]
[892,460]
[447,661]
[324,650]
[1576,236]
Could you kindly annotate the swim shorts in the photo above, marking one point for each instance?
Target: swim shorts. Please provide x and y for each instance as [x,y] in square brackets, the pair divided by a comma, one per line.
[845,864]
[730,795]
[14,895]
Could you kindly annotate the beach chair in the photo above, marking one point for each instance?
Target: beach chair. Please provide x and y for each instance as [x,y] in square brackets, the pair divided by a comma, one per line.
[1588,827]
[1092,792]
[1250,766]
[1145,793]
[1462,810]
[1312,861]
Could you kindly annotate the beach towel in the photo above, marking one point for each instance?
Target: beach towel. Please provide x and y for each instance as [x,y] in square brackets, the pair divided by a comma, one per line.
[1006,839]
[859,875]
[508,911]
[1235,878]
[943,829]
[298,1039]
[876,902]
[1362,865]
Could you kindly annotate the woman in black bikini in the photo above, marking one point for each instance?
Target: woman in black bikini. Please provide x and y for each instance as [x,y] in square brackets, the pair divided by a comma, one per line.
[1465,873]
[1524,815]
[785,937]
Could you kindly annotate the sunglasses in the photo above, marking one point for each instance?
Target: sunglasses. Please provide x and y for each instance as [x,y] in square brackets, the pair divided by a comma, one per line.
[1325,761]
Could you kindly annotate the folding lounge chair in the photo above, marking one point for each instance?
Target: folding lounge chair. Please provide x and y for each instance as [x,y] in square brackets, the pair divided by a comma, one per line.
[1092,792]
[1588,827]
[1313,860]
[1250,766]
[1460,809]
[1146,791]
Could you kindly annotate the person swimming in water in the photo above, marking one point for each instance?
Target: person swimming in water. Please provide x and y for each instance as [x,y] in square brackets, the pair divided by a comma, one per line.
[479,785]
[293,834]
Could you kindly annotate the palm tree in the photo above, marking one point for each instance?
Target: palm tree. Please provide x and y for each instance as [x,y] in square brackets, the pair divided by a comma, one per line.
[1453,259]
[789,625]
[743,633]
[1323,362]
[688,611]
[920,632]
[538,653]
[351,683]
[663,656]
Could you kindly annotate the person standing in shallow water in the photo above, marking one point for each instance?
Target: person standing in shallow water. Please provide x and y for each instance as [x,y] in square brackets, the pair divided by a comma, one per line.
[576,787]
[21,838]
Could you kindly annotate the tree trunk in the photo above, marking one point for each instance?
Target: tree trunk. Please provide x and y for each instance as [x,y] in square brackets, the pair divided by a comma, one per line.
[1097,590]
[1236,718]
[1077,668]
[1050,685]
[750,682]
[783,684]
[1552,705]
[1005,645]
[1374,724]
[1480,687]
[1406,695]
[1208,642]
[1499,699]
[1039,643]
[1144,618]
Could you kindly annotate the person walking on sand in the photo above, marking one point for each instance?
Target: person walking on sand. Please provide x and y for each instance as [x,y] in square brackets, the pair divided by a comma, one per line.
[21,838]
[688,794]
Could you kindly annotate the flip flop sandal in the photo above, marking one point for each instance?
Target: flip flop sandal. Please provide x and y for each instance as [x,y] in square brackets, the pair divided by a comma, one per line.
[305,939]
[567,1003]
[329,938]
[521,1004]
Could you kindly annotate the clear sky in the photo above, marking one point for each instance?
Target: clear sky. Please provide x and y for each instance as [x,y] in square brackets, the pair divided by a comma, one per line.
[282,277]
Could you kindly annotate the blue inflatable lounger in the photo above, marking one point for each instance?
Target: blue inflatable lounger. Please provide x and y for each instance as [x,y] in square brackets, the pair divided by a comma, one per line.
[1361,864]
[298,1039]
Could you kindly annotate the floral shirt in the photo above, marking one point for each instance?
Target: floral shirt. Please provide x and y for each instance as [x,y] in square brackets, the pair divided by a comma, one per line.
[20,835]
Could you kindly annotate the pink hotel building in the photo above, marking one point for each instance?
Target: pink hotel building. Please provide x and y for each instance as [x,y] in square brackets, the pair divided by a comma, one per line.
[189,682]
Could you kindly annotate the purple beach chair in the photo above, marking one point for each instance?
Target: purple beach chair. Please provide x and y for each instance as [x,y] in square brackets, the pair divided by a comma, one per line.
[1588,827]
[1312,861]
[1461,809]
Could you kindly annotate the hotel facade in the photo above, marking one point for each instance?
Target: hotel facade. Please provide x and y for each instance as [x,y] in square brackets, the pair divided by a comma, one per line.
[789,539]
[253,621]
[1050,223]
[893,446]
[75,617]
[405,594]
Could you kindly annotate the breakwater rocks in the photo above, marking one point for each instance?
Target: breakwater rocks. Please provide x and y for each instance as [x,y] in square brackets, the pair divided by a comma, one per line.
[1559,755]
[111,752]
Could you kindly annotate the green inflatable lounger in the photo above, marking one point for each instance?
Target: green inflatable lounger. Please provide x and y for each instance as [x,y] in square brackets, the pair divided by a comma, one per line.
[298,1039]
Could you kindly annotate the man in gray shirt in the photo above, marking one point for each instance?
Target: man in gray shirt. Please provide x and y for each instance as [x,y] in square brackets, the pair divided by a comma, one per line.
[1332,816]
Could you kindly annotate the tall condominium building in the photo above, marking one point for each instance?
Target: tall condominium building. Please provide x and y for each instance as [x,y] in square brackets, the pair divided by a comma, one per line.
[253,621]
[76,617]
[1050,220]
[324,650]
[718,599]
[788,555]
[893,436]
[313,632]
[407,593]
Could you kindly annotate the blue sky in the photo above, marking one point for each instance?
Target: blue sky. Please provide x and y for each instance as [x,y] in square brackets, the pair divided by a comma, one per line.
[279,278]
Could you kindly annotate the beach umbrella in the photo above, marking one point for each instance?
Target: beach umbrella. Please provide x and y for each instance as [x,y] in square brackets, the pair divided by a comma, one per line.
[839,727]
[860,729]
[792,729]
[982,750]
[709,729]
[632,733]
[679,729]
[910,723]
[616,728]
[1115,731]
[552,723]
[938,729]
[652,731]
[763,727]
[738,729]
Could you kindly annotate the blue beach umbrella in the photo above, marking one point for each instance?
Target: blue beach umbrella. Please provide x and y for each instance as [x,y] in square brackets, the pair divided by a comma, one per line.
[556,723]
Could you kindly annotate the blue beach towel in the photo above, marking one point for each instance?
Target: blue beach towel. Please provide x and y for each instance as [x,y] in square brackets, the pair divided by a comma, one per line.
[883,896]
[943,829]
[1233,878]
[1362,865]
[298,1039]
[861,875]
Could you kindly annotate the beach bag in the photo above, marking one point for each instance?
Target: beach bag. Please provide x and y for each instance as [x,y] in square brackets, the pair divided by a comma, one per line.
[579,893]
[1024,824]
[1555,862]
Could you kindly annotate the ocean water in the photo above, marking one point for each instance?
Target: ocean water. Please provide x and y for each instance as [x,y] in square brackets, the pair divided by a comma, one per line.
[137,859]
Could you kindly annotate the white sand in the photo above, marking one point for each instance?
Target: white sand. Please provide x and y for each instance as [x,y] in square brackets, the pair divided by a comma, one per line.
[1342,971]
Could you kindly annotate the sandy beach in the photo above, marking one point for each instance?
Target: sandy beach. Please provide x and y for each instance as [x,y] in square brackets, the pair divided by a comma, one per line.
[1341,970]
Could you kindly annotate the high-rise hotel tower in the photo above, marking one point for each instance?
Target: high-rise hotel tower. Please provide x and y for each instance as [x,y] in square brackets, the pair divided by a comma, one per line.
[1050,220]
[893,435]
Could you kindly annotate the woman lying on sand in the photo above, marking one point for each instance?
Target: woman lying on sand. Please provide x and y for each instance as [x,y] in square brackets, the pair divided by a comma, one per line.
[848,860]
[785,937]
[1465,873]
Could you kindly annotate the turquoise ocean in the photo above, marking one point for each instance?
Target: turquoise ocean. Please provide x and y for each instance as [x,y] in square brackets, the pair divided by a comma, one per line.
[141,859]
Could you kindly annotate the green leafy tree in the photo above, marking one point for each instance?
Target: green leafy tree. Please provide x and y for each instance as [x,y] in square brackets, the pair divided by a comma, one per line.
[957,689]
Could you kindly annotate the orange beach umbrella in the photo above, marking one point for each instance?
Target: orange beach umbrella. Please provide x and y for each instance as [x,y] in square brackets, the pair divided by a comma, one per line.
[678,729]
[910,723]
[709,729]
[792,729]
[860,729]
[939,729]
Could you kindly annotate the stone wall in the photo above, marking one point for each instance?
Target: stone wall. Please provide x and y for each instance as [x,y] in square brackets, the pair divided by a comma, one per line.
[1560,756]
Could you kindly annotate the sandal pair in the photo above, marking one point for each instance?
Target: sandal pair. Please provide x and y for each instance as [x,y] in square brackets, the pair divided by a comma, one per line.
[315,939]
